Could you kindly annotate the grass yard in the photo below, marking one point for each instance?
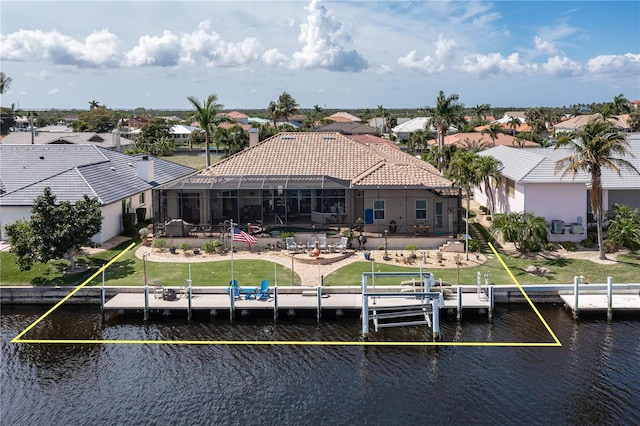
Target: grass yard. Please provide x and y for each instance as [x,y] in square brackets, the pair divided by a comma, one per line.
[129,271]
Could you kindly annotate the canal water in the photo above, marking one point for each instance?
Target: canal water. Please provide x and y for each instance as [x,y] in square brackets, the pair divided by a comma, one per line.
[594,378]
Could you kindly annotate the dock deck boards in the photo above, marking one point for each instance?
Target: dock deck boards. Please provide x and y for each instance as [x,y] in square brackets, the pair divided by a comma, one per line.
[599,302]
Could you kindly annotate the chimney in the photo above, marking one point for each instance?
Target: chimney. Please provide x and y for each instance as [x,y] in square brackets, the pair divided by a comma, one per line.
[254,137]
[145,169]
[115,139]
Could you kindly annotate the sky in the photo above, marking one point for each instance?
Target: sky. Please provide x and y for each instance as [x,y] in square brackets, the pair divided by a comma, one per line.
[334,54]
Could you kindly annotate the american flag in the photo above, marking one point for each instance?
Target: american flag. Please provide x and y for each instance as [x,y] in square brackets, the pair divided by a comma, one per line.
[242,237]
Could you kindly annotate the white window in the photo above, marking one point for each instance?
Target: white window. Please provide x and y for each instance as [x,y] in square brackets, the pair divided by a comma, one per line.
[421,209]
[141,198]
[378,209]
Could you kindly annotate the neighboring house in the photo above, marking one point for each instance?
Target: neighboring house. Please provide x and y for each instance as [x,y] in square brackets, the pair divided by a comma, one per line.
[481,141]
[112,141]
[576,123]
[317,178]
[348,128]
[237,116]
[122,183]
[530,183]
[180,133]
[371,140]
[343,117]
[405,130]
[506,118]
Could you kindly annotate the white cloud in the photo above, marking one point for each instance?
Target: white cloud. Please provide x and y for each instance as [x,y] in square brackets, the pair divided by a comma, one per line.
[544,46]
[561,66]
[274,58]
[160,51]
[614,65]
[99,49]
[53,91]
[431,64]
[495,64]
[325,40]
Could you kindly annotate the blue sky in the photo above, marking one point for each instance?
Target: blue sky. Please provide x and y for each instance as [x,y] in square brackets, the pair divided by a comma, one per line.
[336,54]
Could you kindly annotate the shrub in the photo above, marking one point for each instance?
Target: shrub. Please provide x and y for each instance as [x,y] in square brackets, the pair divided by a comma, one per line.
[144,232]
[217,243]
[286,234]
[209,246]
[474,245]
[550,247]
[185,247]
[587,243]
[411,247]
[569,245]
[159,244]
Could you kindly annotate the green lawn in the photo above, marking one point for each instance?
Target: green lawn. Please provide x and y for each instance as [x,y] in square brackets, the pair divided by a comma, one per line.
[562,271]
[129,271]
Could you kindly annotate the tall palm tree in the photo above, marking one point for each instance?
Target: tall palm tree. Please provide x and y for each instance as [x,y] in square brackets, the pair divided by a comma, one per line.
[273,112]
[207,115]
[287,106]
[488,171]
[620,105]
[447,112]
[5,82]
[595,146]
[493,131]
[462,172]
[513,123]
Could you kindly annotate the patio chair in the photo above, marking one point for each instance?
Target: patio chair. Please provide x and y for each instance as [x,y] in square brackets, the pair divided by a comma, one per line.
[158,289]
[342,245]
[311,243]
[291,245]
[322,244]
[235,288]
[259,293]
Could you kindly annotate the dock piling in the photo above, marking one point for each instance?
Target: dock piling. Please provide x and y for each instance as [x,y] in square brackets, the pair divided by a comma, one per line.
[609,298]
[491,304]
[146,301]
[275,302]
[102,297]
[576,289]
[189,296]
[319,313]
[459,296]
[435,309]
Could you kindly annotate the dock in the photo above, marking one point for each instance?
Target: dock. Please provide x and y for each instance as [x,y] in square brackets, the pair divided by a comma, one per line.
[599,298]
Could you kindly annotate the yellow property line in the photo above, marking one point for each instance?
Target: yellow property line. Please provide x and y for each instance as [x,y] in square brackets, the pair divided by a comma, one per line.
[18,338]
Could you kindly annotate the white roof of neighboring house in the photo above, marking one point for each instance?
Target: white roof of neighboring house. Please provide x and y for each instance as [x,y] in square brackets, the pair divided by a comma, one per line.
[181,129]
[538,165]
[418,123]
[507,117]
[105,140]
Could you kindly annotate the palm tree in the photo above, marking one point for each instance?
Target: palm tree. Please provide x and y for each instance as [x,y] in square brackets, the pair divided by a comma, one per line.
[513,122]
[273,112]
[595,146]
[94,104]
[526,230]
[207,115]
[493,131]
[462,172]
[287,106]
[620,105]
[488,170]
[447,112]
[5,82]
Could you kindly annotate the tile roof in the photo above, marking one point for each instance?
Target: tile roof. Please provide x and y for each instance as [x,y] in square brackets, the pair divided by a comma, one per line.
[333,155]
[372,139]
[580,121]
[75,170]
[343,117]
[464,140]
[347,128]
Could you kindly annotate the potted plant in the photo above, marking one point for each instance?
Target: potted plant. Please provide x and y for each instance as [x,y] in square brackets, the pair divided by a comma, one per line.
[144,235]
[367,255]
[217,246]
[196,250]
[172,249]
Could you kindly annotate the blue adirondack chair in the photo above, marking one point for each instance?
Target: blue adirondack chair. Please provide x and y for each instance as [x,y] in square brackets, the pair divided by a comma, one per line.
[235,288]
[259,293]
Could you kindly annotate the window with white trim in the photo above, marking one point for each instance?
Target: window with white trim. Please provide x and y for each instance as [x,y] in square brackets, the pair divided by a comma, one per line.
[421,210]
[378,209]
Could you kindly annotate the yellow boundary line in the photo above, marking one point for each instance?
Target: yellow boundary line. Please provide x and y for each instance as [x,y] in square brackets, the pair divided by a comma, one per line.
[18,338]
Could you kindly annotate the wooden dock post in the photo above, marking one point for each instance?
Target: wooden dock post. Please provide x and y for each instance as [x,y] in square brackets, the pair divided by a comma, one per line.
[576,290]
[275,302]
[102,297]
[189,296]
[319,313]
[146,301]
[365,308]
[491,304]
[459,295]
[609,298]
[435,308]
[232,303]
